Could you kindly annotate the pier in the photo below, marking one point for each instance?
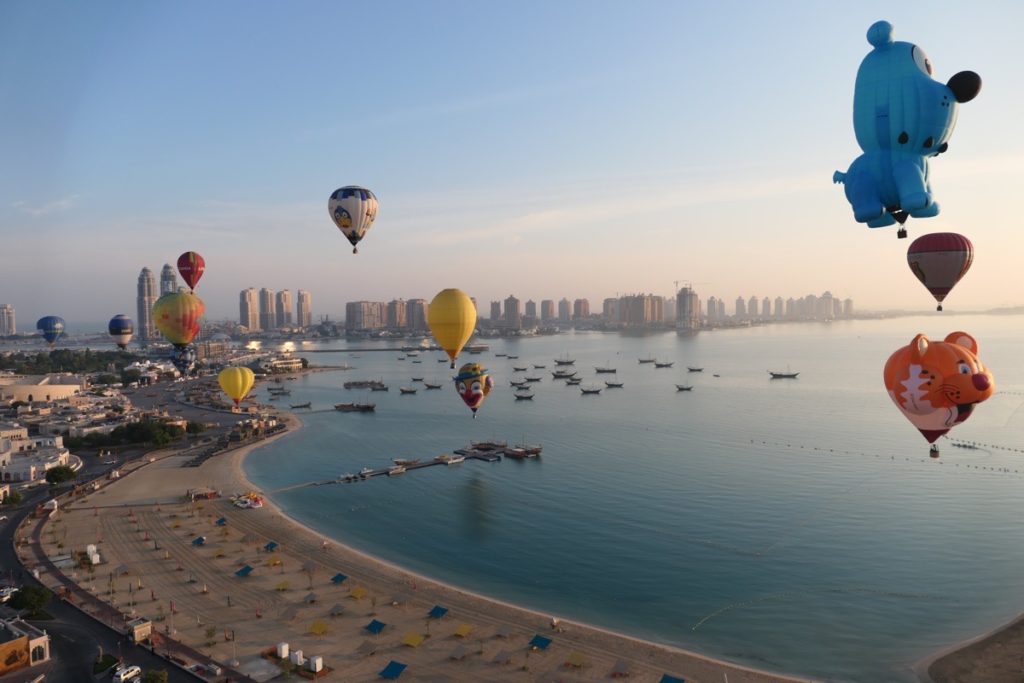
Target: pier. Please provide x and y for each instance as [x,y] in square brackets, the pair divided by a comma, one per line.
[485,452]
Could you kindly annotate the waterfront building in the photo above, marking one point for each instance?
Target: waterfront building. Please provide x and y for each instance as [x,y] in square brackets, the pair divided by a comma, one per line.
[547,310]
[741,308]
[847,308]
[26,458]
[721,309]
[779,311]
[416,314]
[580,309]
[826,310]
[283,308]
[752,311]
[687,310]
[766,308]
[364,315]
[144,300]
[31,388]
[712,309]
[249,309]
[7,326]
[670,308]
[168,280]
[530,309]
[23,645]
[790,308]
[513,317]
[304,310]
[397,315]
[564,310]
[268,315]
[610,310]
[495,311]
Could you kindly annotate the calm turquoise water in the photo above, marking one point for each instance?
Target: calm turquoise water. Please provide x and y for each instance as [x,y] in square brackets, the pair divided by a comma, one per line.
[797,525]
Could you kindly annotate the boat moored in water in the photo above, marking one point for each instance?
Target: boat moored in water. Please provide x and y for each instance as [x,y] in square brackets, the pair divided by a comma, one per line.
[684,387]
[406,390]
[693,369]
[355,407]
[613,385]
[666,364]
[783,375]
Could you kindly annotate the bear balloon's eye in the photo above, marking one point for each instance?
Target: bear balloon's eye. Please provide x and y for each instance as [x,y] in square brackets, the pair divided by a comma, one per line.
[963,368]
[922,61]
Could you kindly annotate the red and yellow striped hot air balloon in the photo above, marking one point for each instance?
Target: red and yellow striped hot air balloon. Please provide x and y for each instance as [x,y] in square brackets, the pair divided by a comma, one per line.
[177,317]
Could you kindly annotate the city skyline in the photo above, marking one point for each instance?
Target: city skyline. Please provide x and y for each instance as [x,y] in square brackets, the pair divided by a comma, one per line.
[490,159]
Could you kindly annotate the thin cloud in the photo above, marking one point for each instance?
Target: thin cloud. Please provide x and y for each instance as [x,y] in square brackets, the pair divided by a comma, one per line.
[55,206]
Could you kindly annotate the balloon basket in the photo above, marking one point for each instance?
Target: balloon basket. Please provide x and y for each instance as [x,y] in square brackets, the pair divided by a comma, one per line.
[939,307]
[901,233]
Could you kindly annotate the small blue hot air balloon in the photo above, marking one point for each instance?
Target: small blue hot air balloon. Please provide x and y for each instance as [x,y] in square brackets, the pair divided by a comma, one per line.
[184,358]
[52,328]
[121,328]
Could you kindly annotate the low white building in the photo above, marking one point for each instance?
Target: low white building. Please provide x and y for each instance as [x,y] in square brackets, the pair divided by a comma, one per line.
[24,458]
[32,388]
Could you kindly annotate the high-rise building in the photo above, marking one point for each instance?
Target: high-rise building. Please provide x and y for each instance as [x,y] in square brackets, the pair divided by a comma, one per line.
[397,318]
[564,310]
[364,315]
[547,310]
[513,318]
[530,309]
[304,309]
[825,309]
[752,307]
[721,309]
[7,325]
[168,280]
[283,308]
[790,308]
[495,311]
[670,309]
[847,308]
[268,314]
[610,310]
[779,310]
[766,308]
[144,300]
[712,311]
[249,309]
[687,310]
[416,314]
[741,308]
[580,309]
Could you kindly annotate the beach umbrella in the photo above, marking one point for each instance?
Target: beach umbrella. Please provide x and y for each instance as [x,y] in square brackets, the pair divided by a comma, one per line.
[936,385]
[939,260]
[236,382]
[451,317]
[353,210]
[901,118]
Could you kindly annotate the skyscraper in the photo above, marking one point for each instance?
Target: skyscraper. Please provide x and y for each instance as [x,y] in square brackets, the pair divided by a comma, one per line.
[397,314]
[513,318]
[530,309]
[249,309]
[268,315]
[304,312]
[144,300]
[283,309]
[564,310]
[547,310]
[7,325]
[741,308]
[416,314]
[168,280]
[752,307]
[687,310]
[581,309]
[495,310]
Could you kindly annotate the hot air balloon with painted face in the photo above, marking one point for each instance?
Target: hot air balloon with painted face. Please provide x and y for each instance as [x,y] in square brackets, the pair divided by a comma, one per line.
[939,260]
[936,385]
[121,328]
[473,384]
[451,317]
[191,266]
[236,382]
[52,327]
[353,209]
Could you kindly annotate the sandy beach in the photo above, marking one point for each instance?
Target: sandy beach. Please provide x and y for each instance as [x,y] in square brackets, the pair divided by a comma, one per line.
[143,524]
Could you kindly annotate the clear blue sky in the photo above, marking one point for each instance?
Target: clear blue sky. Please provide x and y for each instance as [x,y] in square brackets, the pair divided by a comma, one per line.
[549,149]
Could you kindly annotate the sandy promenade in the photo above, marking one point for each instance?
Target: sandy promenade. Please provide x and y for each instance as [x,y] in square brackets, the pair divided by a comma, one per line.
[143,523]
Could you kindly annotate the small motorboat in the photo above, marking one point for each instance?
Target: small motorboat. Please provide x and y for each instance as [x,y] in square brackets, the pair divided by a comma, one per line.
[684,387]
[406,390]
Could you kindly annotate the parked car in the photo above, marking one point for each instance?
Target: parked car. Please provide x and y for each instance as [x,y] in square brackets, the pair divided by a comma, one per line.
[125,673]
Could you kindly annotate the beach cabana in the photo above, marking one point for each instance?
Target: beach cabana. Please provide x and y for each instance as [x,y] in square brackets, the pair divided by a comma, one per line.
[222,521]
[375,627]
[539,642]
[463,630]
[358,592]
[459,653]
[502,631]
[244,571]
[621,669]
[399,599]
[366,648]
[337,610]
[121,570]
[666,678]
[199,540]
[270,547]
[338,578]
[575,659]
[436,612]
[503,657]
[413,639]
[310,599]
[392,671]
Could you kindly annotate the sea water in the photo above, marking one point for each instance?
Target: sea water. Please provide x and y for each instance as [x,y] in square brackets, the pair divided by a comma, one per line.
[793,525]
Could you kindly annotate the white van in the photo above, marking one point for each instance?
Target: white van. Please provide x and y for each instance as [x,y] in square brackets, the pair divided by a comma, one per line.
[122,674]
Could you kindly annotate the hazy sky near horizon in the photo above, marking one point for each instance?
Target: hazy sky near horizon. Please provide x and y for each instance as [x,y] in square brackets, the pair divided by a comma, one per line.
[577,149]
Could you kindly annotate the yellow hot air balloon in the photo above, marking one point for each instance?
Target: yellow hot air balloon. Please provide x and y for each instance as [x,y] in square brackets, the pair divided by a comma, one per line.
[452,319]
[236,382]
[177,317]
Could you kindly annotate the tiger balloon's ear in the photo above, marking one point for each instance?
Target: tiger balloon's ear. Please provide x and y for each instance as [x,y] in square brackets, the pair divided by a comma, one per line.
[963,339]
[918,348]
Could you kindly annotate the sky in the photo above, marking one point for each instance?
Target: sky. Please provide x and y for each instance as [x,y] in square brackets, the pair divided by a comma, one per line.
[578,149]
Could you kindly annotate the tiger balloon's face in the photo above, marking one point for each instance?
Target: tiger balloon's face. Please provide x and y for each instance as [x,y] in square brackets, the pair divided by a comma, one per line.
[937,384]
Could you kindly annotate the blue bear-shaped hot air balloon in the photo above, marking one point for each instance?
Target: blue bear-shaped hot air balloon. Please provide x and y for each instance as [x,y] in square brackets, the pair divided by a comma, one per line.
[901,116]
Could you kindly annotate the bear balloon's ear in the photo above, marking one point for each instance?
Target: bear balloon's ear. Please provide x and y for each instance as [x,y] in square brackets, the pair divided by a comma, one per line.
[918,347]
[963,339]
[965,85]
[880,33]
